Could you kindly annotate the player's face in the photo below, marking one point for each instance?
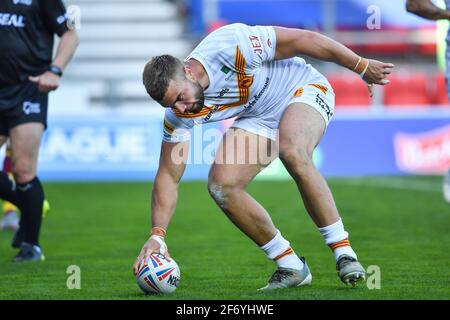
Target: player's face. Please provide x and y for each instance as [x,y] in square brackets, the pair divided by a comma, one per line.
[184,95]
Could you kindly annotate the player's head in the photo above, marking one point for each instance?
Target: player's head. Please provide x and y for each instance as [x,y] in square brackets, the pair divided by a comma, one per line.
[173,84]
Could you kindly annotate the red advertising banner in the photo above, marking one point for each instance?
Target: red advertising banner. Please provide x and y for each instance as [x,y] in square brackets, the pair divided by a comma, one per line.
[423,153]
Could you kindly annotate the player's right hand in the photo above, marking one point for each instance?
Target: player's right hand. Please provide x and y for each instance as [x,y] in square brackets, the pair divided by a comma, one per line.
[155,244]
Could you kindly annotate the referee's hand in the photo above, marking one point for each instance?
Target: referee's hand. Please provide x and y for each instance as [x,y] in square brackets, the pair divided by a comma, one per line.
[46,82]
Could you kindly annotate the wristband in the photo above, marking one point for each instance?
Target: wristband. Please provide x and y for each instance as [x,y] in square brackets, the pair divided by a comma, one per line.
[55,70]
[364,71]
[157,231]
[357,64]
[361,66]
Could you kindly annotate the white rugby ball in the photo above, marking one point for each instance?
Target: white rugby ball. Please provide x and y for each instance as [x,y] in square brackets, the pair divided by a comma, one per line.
[158,275]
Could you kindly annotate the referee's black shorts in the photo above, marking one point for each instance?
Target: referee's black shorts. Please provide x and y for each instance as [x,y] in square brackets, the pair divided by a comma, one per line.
[26,105]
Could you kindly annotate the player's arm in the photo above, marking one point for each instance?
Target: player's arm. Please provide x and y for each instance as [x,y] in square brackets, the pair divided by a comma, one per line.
[294,42]
[164,197]
[165,191]
[426,9]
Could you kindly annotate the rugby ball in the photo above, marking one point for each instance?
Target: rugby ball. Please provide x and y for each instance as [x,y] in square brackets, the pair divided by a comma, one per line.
[157,275]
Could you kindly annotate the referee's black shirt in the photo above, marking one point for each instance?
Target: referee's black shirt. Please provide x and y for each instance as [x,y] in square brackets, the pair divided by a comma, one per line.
[27,28]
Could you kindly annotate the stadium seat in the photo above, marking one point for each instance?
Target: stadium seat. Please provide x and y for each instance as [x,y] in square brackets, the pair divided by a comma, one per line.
[407,90]
[439,94]
[350,91]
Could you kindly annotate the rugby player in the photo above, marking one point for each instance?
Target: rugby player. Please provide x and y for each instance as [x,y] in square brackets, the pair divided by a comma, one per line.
[253,73]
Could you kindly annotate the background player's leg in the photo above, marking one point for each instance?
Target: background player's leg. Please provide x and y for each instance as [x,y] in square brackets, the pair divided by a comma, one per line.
[235,166]
[25,142]
[7,188]
[301,129]
[10,219]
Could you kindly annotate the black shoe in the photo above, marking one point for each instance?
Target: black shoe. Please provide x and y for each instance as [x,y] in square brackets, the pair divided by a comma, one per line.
[18,238]
[29,252]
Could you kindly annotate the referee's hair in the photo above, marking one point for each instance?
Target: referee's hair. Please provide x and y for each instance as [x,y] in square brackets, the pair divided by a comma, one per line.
[158,72]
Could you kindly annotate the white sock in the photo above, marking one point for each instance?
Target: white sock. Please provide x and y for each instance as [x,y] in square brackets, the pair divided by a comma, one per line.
[279,250]
[337,239]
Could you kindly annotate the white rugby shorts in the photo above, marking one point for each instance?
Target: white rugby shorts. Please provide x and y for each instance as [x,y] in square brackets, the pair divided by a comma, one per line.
[315,91]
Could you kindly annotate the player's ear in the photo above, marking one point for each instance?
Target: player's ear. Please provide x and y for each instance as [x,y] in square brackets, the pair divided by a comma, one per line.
[188,72]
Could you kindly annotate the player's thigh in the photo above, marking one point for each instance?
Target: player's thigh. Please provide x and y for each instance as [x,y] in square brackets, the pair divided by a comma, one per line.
[240,156]
[301,128]
[25,141]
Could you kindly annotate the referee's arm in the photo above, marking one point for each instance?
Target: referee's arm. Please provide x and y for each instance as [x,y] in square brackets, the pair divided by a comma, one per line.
[66,48]
[49,81]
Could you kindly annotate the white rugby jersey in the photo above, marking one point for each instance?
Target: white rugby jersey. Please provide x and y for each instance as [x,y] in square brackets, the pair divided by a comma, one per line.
[244,80]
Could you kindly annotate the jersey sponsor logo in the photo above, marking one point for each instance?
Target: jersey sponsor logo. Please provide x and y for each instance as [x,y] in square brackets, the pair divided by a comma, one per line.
[62,19]
[324,106]
[298,92]
[24,2]
[8,20]
[223,92]
[225,69]
[258,96]
[246,82]
[211,112]
[30,107]
[256,44]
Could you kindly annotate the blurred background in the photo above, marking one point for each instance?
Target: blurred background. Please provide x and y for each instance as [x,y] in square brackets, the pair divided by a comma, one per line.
[103,126]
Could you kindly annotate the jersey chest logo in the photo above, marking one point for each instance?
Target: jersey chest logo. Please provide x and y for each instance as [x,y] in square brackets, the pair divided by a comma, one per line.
[8,20]
[246,82]
[23,2]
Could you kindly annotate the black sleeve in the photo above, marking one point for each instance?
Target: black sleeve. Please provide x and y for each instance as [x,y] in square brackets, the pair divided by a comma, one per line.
[54,15]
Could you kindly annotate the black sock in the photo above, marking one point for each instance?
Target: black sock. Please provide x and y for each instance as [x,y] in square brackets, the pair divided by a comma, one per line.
[8,189]
[31,198]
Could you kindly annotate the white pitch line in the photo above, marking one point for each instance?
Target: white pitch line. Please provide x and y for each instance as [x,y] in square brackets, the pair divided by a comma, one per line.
[392,183]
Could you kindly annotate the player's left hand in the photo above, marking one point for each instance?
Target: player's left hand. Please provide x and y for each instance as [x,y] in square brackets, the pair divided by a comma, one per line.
[46,82]
[377,73]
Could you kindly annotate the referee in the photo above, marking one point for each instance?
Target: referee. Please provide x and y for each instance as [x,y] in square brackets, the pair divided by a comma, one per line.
[27,74]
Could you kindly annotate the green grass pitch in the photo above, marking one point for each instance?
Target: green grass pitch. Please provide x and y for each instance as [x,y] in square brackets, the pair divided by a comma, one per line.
[400,225]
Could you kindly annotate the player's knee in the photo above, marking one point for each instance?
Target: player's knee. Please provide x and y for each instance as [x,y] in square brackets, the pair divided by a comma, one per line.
[217,193]
[23,172]
[221,192]
[297,160]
